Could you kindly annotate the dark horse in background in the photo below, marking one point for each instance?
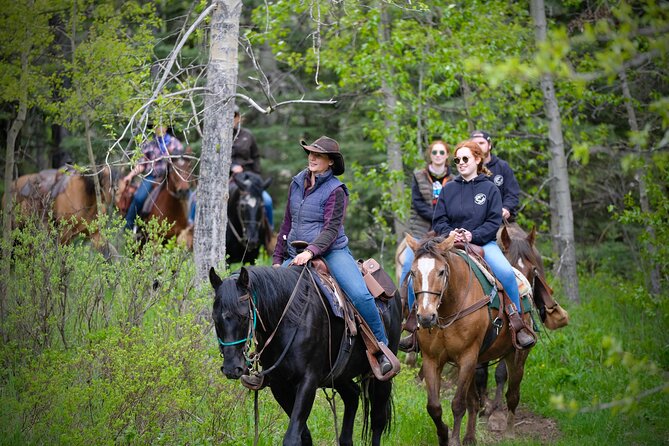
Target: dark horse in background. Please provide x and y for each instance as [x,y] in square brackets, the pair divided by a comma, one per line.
[248,228]
[520,250]
[298,338]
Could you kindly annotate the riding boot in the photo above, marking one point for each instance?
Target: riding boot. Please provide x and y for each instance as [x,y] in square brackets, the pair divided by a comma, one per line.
[253,382]
[408,343]
[384,362]
[524,338]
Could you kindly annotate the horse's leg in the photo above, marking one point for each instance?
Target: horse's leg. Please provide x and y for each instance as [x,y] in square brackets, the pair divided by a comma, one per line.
[285,396]
[473,401]
[467,369]
[500,380]
[515,363]
[350,395]
[481,380]
[380,408]
[432,376]
[298,433]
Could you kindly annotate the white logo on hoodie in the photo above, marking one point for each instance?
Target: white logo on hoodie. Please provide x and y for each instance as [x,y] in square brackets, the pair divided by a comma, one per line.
[480,199]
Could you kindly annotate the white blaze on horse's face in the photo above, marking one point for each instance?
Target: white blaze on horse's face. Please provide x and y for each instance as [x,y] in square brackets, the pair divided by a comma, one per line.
[425,265]
[521,264]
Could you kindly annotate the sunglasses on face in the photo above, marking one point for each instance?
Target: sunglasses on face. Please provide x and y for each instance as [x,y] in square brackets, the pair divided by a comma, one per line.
[463,160]
[438,152]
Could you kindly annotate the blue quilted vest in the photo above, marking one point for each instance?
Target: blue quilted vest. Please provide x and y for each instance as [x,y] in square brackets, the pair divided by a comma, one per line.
[307,213]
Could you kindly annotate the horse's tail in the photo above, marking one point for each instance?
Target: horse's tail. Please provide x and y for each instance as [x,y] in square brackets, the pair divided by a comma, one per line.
[370,387]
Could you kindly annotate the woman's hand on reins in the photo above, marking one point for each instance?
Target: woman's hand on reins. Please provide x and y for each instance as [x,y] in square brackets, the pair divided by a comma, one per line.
[303,257]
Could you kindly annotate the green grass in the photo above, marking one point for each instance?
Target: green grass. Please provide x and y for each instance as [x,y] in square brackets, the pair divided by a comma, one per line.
[155,379]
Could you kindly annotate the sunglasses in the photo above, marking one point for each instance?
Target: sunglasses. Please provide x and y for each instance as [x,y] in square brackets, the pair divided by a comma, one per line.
[438,152]
[464,159]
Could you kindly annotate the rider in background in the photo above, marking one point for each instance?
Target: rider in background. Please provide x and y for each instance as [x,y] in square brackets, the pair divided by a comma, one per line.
[246,157]
[502,175]
[470,208]
[154,166]
[315,213]
[425,188]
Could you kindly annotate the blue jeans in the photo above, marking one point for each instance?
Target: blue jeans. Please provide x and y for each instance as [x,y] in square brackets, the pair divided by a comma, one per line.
[267,200]
[269,209]
[138,200]
[406,267]
[502,269]
[345,270]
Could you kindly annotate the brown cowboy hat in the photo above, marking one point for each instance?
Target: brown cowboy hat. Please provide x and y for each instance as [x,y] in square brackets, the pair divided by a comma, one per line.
[330,147]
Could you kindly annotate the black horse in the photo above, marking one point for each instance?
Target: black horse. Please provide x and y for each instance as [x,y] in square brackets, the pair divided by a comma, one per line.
[248,228]
[298,339]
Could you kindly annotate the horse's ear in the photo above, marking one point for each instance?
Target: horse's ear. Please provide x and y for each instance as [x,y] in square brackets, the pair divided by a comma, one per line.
[411,242]
[504,238]
[243,281]
[214,279]
[533,236]
[447,243]
[266,183]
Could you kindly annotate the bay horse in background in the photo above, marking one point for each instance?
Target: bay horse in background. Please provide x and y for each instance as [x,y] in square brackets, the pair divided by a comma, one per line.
[298,339]
[169,201]
[67,196]
[454,319]
[520,250]
[248,228]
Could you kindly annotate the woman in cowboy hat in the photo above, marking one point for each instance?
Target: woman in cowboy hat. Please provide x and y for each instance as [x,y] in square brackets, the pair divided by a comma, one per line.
[315,213]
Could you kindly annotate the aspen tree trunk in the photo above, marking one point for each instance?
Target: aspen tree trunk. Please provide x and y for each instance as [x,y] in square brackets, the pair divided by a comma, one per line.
[7,200]
[655,287]
[393,150]
[212,194]
[564,232]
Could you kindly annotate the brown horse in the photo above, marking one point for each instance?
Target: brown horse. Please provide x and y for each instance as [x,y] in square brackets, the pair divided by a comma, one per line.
[171,201]
[454,322]
[67,196]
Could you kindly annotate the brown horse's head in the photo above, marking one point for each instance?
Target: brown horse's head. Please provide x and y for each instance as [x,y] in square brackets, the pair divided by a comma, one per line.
[520,250]
[180,175]
[430,271]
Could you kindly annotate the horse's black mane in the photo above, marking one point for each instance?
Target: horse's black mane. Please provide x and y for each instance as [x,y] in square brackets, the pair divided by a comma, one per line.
[272,288]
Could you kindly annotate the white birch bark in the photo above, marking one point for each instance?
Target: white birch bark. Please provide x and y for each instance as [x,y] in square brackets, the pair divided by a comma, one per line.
[212,192]
[560,192]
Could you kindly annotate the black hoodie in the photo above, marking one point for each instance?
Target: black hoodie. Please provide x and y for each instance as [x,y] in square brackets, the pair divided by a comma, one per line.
[474,205]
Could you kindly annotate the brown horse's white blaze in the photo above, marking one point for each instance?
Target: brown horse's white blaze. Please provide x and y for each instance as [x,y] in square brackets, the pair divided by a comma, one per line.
[430,277]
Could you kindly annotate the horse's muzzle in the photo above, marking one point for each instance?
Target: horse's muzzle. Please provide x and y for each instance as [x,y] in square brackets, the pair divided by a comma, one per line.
[233,372]
[427,320]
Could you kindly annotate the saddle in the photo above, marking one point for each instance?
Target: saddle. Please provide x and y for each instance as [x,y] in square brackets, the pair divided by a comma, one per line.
[47,183]
[383,291]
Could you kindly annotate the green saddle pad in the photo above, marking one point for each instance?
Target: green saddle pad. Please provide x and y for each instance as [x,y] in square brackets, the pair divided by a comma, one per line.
[490,289]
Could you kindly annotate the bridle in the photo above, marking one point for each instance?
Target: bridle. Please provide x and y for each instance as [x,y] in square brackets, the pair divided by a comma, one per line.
[240,234]
[253,317]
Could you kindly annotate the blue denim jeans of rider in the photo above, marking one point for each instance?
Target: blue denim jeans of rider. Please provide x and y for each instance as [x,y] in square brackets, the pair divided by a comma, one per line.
[138,200]
[406,267]
[344,269]
[502,269]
